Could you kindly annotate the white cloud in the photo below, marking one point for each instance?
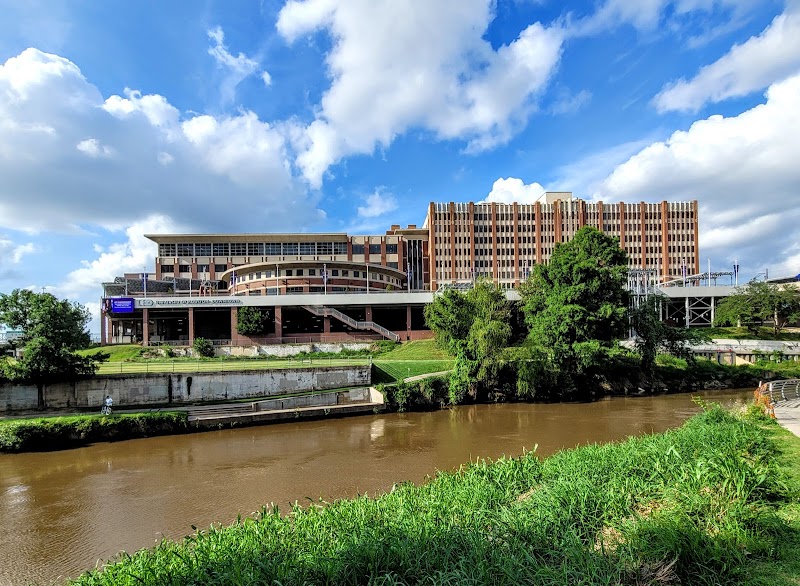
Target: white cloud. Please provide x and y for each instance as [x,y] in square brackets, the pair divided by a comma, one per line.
[237,68]
[398,65]
[648,15]
[743,171]
[567,103]
[92,148]
[746,68]
[215,173]
[512,190]
[377,204]
[130,256]
[11,253]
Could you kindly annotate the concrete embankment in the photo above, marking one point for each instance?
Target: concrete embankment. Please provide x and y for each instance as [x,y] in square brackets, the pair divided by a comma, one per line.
[179,388]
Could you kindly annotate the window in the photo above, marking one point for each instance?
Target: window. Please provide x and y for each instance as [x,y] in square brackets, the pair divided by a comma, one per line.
[312,272]
[345,273]
[166,250]
[238,249]
[392,248]
[202,249]
[220,268]
[220,249]
[392,265]
[307,248]
[290,249]
[255,249]
[340,248]
[374,248]
[273,248]
[167,268]
[202,268]
[325,248]
[300,272]
[185,269]
[335,272]
[288,272]
[358,249]
[186,249]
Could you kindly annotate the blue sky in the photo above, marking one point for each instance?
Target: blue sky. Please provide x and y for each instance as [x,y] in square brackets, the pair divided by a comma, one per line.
[124,118]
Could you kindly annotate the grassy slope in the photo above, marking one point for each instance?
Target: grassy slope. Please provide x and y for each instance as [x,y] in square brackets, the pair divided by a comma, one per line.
[694,506]
[118,353]
[411,359]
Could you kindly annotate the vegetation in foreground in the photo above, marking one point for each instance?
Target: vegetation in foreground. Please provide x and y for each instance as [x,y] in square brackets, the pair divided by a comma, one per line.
[48,433]
[698,505]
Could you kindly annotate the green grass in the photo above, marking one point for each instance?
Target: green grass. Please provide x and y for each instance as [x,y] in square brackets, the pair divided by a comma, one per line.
[745,334]
[56,433]
[696,505]
[120,353]
[393,370]
[416,350]
[218,364]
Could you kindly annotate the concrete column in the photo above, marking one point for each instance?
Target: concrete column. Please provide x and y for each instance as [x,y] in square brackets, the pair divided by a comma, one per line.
[103,320]
[191,325]
[278,321]
[145,327]
[408,322]
[234,323]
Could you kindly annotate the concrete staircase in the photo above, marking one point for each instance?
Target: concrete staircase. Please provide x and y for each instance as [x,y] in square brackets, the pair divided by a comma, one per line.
[323,311]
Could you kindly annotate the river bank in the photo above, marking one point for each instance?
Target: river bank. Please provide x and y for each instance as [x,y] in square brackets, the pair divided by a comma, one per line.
[699,504]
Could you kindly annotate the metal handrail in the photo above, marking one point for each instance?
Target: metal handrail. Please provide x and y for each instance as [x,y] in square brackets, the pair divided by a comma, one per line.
[781,390]
[325,311]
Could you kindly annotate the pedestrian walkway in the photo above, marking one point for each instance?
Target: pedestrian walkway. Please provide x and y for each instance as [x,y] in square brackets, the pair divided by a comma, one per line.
[788,415]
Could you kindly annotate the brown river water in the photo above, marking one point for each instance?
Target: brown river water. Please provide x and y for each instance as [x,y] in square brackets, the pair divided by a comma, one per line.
[64,512]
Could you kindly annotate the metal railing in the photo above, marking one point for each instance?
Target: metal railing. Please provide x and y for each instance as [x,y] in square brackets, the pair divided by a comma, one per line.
[781,390]
[320,310]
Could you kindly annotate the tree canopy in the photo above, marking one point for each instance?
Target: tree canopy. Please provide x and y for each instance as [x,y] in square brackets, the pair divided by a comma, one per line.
[473,326]
[52,329]
[759,302]
[576,306]
[251,321]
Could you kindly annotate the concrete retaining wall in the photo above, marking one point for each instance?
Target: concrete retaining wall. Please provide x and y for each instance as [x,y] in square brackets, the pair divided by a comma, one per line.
[176,389]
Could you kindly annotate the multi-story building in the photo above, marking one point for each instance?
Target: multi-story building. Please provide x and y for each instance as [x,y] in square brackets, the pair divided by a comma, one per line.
[502,241]
[337,286]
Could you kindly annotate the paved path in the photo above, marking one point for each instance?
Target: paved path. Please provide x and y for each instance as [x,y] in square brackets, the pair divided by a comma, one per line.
[788,415]
[427,375]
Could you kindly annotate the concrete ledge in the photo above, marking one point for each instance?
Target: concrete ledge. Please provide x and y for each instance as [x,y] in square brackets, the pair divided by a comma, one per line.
[275,416]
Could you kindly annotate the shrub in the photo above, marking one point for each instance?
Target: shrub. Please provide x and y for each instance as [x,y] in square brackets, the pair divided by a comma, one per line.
[203,347]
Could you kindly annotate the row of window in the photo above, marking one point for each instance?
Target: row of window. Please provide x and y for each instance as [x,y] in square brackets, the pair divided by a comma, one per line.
[253,248]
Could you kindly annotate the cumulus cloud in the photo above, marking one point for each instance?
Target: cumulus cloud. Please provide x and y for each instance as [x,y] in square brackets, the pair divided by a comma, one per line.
[71,157]
[377,204]
[512,190]
[435,73]
[742,169]
[237,69]
[755,64]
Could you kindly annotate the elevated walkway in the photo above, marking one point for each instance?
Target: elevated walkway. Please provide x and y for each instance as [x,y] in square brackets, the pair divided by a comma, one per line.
[325,311]
[785,397]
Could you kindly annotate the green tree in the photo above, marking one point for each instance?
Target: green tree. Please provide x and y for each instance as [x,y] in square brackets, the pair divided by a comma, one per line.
[203,347]
[474,327]
[576,309]
[251,321]
[760,302]
[52,330]
[654,335]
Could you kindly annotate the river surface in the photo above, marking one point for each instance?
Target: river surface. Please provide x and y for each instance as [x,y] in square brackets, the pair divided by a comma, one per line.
[64,512]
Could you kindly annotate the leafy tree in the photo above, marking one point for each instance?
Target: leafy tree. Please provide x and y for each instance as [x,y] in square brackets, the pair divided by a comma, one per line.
[251,321]
[474,326]
[654,335]
[52,330]
[576,308]
[759,301]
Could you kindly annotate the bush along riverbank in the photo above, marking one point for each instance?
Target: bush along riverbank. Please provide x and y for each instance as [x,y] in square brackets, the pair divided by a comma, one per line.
[55,433]
[695,505]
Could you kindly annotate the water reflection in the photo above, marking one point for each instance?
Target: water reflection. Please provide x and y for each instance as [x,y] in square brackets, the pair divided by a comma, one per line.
[61,512]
